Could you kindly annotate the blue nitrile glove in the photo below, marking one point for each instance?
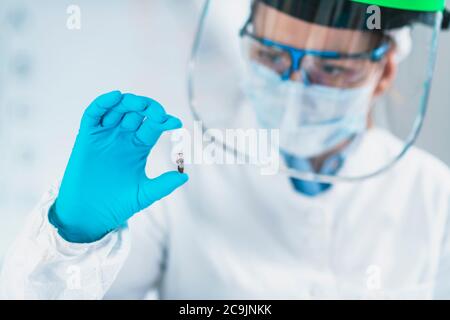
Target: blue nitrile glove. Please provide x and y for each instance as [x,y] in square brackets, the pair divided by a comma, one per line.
[105,182]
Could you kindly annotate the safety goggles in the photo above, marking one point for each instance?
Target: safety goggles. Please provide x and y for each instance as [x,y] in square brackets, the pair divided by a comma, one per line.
[329,68]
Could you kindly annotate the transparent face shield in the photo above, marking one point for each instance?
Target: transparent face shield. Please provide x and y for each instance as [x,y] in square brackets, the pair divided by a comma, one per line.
[325,80]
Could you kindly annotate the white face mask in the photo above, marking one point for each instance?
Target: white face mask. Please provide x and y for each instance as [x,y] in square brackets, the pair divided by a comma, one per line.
[312,119]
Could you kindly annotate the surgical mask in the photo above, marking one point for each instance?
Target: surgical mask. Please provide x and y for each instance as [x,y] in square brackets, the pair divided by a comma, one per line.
[312,119]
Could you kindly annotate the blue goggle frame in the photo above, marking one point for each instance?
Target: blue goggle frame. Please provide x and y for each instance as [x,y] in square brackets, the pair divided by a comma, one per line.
[297,54]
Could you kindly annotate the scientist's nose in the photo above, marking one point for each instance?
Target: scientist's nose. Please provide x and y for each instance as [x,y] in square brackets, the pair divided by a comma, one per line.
[300,75]
[296,75]
[298,72]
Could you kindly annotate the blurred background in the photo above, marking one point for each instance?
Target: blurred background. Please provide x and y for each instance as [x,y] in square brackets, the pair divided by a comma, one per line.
[49,74]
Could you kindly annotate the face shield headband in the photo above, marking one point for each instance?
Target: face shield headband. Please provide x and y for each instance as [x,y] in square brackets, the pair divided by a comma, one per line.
[345,14]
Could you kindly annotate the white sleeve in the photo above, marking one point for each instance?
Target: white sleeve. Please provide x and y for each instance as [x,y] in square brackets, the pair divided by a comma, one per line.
[442,281]
[42,265]
[146,261]
[442,204]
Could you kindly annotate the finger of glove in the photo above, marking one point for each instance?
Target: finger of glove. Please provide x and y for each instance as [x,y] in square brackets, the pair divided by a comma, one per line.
[129,103]
[150,131]
[155,111]
[131,122]
[99,107]
[153,190]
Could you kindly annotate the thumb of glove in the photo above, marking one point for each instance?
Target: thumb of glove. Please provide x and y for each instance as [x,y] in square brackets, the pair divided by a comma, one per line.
[152,190]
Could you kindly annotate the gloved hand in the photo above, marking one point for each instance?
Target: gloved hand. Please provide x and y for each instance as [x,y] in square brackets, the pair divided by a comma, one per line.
[105,182]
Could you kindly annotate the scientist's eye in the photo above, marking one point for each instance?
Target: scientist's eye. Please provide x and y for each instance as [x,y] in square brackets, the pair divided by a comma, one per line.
[333,70]
[276,60]
[272,57]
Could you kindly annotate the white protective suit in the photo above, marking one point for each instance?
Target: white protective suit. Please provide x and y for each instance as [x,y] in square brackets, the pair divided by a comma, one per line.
[233,233]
